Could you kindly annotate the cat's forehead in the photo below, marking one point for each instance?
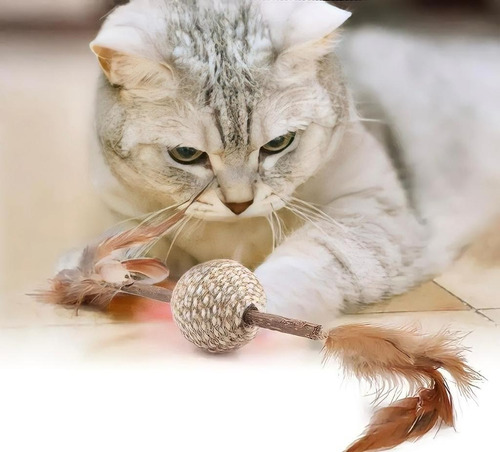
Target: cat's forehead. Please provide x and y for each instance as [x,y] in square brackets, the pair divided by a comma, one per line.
[225,50]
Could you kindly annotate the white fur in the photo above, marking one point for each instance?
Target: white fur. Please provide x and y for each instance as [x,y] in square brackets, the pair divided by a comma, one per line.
[440,93]
[298,23]
[365,241]
[123,28]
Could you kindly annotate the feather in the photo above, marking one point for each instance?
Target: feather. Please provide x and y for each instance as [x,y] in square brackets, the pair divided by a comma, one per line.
[386,355]
[408,419]
[77,291]
[153,269]
[111,271]
[99,275]
[391,356]
[136,236]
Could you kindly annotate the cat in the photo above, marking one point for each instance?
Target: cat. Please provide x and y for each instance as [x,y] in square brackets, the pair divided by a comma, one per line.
[244,103]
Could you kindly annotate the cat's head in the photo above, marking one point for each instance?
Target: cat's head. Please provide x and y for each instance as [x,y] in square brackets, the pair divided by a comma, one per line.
[239,96]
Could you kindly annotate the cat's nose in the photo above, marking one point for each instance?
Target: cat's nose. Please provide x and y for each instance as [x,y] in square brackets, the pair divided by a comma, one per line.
[239,207]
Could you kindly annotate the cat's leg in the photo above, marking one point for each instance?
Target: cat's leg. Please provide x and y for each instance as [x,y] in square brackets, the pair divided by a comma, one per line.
[326,268]
[368,244]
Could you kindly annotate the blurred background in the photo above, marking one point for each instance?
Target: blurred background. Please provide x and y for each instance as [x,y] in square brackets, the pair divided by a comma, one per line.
[86,14]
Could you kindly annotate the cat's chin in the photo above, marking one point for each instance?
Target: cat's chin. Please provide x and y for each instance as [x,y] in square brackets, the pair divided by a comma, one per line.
[200,211]
[221,217]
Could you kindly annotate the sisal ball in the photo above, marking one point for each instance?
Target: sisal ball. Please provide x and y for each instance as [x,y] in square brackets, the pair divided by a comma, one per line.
[208,304]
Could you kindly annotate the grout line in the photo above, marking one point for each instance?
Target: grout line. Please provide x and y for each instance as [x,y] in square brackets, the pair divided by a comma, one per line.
[492,309]
[410,312]
[476,310]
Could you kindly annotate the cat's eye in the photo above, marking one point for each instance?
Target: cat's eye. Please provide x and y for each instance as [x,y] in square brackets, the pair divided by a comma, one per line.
[186,155]
[279,144]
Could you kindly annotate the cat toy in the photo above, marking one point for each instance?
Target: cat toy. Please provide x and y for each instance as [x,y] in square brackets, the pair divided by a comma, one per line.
[220,305]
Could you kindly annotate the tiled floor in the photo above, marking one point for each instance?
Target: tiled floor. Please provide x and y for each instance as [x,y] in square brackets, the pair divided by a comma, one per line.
[48,207]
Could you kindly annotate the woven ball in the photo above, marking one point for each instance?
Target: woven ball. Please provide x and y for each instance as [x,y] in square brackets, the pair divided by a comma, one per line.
[208,304]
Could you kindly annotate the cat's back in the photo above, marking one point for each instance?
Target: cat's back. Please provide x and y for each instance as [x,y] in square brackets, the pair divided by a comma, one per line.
[439,95]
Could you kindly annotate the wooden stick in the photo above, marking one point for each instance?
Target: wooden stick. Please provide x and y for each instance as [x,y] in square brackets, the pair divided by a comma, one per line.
[152,292]
[253,316]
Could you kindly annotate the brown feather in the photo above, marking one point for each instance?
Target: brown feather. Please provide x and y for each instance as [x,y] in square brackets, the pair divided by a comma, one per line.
[88,284]
[390,356]
[75,292]
[409,418]
[153,270]
[137,236]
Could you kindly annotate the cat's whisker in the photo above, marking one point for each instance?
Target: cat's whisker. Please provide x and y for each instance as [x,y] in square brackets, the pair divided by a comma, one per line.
[294,198]
[142,250]
[372,120]
[157,217]
[308,213]
[313,216]
[305,217]
[318,212]
[187,219]
[180,227]
[154,215]
[279,236]
[276,232]
[193,227]
[339,253]
[269,219]
[283,225]
[280,226]
[379,121]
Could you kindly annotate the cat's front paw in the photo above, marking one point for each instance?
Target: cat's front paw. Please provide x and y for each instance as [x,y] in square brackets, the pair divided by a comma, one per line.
[295,287]
[280,286]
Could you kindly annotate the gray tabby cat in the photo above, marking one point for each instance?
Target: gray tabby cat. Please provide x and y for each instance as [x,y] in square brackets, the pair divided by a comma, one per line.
[244,102]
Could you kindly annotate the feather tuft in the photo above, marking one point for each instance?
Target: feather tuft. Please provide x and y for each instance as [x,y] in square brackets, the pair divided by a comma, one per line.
[100,275]
[140,235]
[78,290]
[408,419]
[389,357]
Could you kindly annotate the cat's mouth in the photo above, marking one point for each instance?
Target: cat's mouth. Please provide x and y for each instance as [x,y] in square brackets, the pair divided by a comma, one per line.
[211,208]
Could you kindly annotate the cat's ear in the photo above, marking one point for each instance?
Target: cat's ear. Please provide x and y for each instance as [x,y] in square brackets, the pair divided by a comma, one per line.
[127,56]
[306,28]
[131,71]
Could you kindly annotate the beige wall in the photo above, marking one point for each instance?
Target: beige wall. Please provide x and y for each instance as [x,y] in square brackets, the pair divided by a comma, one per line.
[48,10]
